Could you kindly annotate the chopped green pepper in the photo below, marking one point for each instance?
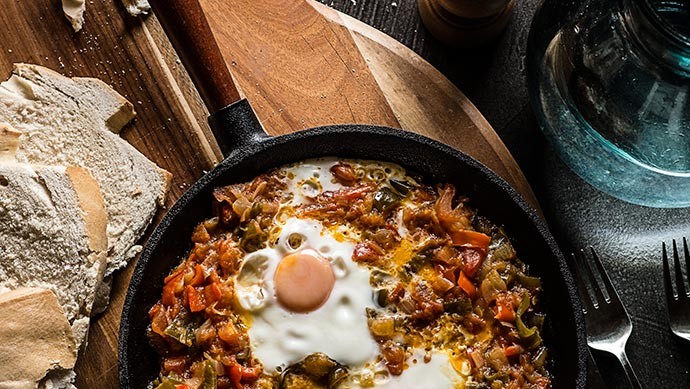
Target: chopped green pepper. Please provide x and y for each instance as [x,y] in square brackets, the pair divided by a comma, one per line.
[209,376]
[385,199]
[168,383]
[530,282]
[402,187]
[530,336]
[181,330]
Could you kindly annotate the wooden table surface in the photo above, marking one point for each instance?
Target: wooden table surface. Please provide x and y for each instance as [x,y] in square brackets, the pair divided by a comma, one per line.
[299,63]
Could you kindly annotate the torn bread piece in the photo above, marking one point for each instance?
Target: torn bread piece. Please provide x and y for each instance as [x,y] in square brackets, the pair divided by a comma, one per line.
[36,342]
[75,121]
[74,12]
[52,229]
[9,141]
[137,7]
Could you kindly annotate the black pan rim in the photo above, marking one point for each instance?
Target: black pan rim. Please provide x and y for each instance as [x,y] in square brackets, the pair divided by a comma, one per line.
[247,150]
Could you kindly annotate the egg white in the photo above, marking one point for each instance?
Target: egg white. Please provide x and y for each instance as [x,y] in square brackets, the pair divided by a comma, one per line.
[280,338]
[338,328]
[309,178]
[437,373]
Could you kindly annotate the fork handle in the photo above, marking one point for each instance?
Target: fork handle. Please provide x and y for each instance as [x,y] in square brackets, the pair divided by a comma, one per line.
[629,372]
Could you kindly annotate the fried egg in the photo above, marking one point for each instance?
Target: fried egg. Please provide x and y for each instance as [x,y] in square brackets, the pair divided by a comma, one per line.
[303,294]
[436,372]
[290,316]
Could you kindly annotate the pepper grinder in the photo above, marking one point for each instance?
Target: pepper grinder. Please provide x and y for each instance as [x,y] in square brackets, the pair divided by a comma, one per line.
[465,23]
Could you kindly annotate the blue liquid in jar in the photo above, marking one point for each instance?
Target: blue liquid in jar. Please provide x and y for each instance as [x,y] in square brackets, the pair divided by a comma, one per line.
[614,100]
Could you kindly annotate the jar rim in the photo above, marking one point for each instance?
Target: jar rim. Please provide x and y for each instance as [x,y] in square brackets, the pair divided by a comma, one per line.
[650,7]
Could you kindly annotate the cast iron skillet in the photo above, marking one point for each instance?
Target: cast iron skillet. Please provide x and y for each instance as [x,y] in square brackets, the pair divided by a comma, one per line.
[249,152]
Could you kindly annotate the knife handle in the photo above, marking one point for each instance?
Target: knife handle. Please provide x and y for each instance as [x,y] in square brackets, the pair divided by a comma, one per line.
[187,28]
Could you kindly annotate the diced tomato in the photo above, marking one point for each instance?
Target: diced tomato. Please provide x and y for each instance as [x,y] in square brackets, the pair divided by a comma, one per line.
[199,276]
[468,238]
[344,173]
[213,277]
[174,274]
[472,260]
[229,334]
[542,383]
[476,357]
[350,193]
[466,285]
[250,373]
[195,299]
[239,373]
[173,287]
[235,376]
[504,309]
[159,320]
[366,251]
[212,293]
[168,297]
[176,364]
[512,350]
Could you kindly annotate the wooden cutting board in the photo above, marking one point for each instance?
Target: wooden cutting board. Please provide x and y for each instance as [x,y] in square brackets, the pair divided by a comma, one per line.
[299,63]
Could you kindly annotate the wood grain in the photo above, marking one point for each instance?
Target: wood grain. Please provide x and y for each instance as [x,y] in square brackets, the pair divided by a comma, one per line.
[300,64]
[136,59]
[424,101]
[297,68]
[186,26]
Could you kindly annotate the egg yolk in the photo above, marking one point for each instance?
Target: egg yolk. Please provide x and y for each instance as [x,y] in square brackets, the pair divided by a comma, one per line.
[303,281]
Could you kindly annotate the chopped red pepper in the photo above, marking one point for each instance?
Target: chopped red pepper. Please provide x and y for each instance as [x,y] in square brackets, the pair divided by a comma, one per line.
[159,321]
[466,285]
[468,238]
[472,260]
[170,289]
[504,309]
[229,334]
[235,376]
[199,276]
[250,373]
[512,350]
[195,299]
[351,193]
[447,272]
[212,293]
[174,274]
[176,364]
[366,251]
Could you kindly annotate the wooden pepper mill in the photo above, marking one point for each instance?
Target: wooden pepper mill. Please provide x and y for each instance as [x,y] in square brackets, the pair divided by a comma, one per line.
[465,23]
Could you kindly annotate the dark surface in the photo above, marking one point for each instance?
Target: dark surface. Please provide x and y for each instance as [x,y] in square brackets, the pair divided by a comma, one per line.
[564,327]
[627,237]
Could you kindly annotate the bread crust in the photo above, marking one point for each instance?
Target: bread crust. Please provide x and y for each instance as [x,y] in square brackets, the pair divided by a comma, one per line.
[52,225]
[87,115]
[9,141]
[35,337]
[92,205]
[74,12]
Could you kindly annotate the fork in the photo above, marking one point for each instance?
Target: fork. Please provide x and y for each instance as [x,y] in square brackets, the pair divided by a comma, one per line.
[678,303]
[607,321]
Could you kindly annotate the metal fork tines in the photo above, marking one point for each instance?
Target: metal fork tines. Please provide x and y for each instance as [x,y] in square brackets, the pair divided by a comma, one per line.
[607,321]
[678,302]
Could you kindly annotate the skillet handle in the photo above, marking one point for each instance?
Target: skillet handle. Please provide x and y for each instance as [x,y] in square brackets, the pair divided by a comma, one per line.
[185,24]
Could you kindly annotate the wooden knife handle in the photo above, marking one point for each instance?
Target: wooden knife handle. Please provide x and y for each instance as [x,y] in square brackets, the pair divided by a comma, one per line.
[185,24]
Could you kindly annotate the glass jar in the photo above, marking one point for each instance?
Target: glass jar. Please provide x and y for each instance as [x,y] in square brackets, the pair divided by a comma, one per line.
[610,83]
